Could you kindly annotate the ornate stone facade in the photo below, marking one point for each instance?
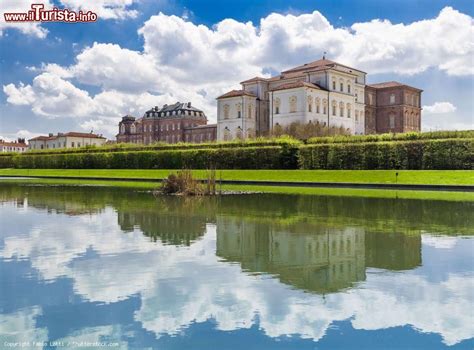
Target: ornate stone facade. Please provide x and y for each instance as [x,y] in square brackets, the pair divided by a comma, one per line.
[324,92]
[180,122]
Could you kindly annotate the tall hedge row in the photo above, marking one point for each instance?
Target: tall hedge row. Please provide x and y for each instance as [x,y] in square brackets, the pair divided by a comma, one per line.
[226,158]
[420,154]
[455,153]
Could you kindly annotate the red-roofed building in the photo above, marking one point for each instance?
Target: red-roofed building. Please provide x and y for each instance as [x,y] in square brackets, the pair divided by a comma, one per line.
[324,92]
[15,146]
[66,140]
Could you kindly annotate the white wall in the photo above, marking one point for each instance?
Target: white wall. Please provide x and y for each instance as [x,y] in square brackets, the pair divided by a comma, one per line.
[233,122]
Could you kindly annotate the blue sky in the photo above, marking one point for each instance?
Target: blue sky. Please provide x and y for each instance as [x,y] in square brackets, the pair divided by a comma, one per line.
[141,53]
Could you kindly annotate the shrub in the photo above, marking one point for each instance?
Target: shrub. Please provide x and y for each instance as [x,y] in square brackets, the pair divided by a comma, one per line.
[453,154]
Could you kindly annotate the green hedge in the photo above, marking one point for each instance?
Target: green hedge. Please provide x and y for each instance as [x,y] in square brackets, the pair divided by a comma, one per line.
[160,146]
[421,154]
[225,158]
[409,136]
[455,153]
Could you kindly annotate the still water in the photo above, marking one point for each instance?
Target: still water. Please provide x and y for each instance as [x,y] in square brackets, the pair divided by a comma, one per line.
[87,266]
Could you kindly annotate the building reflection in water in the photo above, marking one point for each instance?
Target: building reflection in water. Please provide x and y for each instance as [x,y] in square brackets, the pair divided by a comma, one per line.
[323,259]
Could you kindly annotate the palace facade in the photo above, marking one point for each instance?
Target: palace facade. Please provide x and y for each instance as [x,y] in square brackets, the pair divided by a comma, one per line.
[180,122]
[324,92]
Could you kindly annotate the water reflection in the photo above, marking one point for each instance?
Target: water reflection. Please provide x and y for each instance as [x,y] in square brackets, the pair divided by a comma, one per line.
[146,272]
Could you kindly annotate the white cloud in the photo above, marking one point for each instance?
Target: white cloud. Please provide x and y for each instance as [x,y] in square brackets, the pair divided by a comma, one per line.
[182,61]
[105,9]
[440,108]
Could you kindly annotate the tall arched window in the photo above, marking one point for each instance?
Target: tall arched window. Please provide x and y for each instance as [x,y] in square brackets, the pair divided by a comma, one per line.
[277,102]
[239,110]
[318,102]
[226,111]
[249,112]
[334,84]
[238,133]
[122,129]
[325,106]
[133,129]
[310,103]
[292,104]
[348,110]
[341,109]
[357,115]
[250,132]
[392,121]
[348,86]
[341,85]
[227,135]
[334,106]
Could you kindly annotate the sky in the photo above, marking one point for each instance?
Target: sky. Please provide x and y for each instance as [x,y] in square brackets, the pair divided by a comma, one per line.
[59,77]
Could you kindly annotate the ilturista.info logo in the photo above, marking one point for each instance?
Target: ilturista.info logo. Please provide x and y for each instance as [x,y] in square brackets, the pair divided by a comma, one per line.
[38,13]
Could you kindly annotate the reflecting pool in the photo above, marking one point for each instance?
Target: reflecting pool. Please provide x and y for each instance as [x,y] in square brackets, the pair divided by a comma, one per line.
[81,266]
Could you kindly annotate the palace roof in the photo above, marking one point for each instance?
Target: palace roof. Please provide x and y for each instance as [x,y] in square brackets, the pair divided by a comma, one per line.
[321,64]
[67,134]
[297,84]
[390,84]
[236,93]
[176,109]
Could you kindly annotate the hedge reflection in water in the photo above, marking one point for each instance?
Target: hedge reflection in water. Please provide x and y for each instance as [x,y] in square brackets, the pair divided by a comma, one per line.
[316,243]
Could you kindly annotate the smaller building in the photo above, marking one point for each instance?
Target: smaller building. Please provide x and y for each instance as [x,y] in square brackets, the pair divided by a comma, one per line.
[66,140]
[15,146]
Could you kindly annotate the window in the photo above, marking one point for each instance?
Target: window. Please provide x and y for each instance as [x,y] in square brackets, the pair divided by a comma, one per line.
[348,110]
[317,104]
[122,129]
[341,86]
[226,111]
[348,88]
[239,110]
[238,133]
[72,144]
[356,96]
[277,105]
[334,85]
[325,106]
[334,106]
[292,101]
[357,115]
[249,115]
[227,135]
[392,99]
[392,121]
[133,129]
[310,103]
[341,109]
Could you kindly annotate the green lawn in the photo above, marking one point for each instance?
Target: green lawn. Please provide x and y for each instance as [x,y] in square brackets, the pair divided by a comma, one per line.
[340,192]
[441,177]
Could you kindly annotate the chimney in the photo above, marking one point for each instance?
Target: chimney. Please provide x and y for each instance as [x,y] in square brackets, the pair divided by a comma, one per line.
[189,104]
[50,134]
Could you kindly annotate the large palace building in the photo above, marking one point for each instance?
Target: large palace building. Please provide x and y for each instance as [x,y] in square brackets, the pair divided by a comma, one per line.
[180,122]
[322,91]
